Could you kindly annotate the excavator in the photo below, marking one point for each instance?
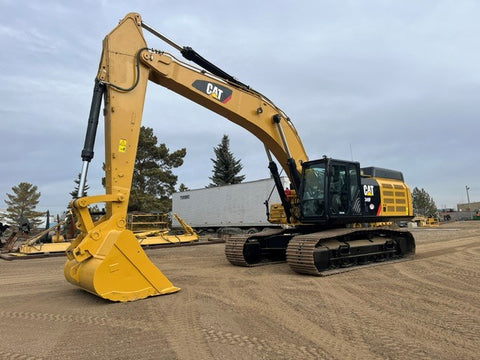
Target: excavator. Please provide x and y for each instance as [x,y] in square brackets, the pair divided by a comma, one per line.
[327,215]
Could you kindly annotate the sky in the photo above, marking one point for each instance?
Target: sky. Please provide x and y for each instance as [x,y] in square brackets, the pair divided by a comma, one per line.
[393,84]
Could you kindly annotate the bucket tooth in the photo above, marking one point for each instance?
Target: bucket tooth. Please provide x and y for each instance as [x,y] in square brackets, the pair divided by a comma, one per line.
[120,271]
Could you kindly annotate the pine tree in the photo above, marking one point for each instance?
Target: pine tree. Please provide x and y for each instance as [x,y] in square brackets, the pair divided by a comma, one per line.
[225,166]
[74,193]
[70,230]
[153,179]
[22,203]
[423,203]
[183,188]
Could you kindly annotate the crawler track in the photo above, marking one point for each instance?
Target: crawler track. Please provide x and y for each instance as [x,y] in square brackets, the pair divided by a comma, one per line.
[234,250]
[322,253]
[252,250]
[335,251]
[300,254]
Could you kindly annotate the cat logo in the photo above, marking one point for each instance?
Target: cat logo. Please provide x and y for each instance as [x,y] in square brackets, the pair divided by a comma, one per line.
[368,190]
[216,91]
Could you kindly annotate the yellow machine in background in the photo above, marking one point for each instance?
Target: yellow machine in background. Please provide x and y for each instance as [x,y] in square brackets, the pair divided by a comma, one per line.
[163,236]
[34,247]
[424,221]
[328,195]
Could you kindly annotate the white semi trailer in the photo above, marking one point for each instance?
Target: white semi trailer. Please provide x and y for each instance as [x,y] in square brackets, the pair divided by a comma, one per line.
[229,208]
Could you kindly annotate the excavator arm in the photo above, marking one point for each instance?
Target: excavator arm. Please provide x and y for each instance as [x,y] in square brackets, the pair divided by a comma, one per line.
[105,258]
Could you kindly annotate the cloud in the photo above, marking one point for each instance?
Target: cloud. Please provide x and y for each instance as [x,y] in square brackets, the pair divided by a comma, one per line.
[392,84]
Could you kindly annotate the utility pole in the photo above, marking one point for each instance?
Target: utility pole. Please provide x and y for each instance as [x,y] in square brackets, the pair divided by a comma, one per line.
[468,197]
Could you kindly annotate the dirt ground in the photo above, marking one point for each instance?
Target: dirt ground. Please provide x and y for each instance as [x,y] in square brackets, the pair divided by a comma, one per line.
[427,308]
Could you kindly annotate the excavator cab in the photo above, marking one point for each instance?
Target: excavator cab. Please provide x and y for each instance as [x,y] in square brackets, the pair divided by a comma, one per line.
[330,191]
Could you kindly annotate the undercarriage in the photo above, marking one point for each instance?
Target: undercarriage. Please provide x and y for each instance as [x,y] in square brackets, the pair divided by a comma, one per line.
[322,252]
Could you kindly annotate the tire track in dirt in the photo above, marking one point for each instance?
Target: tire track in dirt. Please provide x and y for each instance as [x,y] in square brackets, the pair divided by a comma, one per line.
[232,339]
[385,339]
[423,332]
[448,266]
[447,247]
[297,325]
[252,343]
[342,328]
[428,320]
[80,319]
[331,346]
[468,271]
[388,335]
[373,326]
[75,318]
[439,281]
[267,342]
[16,356]
[25,279]
[443,308]
[222,295]
[444,277]
[185,335]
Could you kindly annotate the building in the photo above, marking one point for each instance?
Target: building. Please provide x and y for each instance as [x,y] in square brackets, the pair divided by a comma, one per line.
[464,211]
[473,206]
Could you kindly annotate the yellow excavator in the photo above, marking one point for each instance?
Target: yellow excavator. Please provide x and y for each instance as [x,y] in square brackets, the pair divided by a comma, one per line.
[327,199]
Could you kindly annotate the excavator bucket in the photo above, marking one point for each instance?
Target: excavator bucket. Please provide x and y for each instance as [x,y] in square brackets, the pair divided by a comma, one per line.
[119,271]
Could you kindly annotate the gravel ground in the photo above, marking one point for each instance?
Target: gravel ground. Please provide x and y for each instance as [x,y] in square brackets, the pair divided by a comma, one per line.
[427,308]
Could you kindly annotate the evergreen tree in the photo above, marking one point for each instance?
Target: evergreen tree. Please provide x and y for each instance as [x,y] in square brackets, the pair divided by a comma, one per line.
[70,230]
[225,166]
[183,188]
[74,193]
[153,179]
[21,205]
[423,203]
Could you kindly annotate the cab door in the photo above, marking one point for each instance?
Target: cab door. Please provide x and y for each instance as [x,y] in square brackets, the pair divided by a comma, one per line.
[343,184]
